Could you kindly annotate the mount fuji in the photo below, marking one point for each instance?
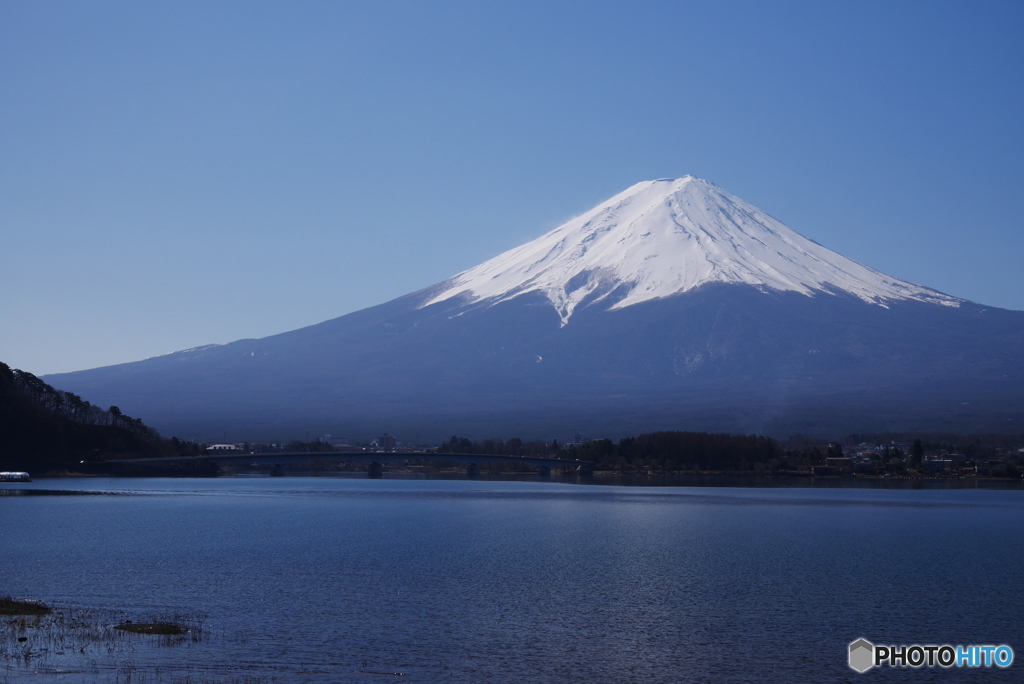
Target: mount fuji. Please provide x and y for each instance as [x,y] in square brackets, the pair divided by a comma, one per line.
[673,305]
[666,237]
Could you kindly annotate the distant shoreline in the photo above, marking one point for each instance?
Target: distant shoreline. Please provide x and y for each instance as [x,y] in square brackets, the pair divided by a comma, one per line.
[608,477]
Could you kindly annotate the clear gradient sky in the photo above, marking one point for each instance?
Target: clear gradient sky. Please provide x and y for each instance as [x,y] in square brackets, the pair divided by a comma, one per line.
[178,174]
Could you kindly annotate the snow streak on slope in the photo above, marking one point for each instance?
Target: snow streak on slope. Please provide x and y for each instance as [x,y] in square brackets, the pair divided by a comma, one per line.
[663,237]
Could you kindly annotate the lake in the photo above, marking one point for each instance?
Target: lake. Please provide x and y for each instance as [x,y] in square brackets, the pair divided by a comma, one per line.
[322,579]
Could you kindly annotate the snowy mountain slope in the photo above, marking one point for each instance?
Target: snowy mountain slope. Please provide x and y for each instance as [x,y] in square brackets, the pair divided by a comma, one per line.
[666,237]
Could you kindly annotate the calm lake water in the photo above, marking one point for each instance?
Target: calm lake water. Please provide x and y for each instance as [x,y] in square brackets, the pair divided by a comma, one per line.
[326,579]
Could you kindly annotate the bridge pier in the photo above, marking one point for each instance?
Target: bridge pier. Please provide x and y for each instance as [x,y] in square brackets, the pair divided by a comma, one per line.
[376,470]
[472,470]
[544,471]
[277,471]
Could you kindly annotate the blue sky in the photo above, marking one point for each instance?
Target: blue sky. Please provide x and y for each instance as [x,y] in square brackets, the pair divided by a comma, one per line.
[177,174]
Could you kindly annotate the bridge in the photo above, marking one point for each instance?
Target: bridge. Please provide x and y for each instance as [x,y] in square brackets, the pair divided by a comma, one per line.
[376,460]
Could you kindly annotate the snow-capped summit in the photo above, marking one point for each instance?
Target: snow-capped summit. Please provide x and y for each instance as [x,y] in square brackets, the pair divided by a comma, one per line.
[664,237]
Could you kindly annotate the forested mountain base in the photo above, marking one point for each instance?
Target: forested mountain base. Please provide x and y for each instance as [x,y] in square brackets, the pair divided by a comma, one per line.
[44,429]
[665,452]
[699,451]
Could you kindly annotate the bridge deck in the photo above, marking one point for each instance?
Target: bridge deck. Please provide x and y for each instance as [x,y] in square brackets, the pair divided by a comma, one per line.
[363,456]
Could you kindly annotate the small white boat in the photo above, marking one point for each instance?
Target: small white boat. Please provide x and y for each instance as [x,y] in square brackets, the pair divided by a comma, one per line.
[14,476]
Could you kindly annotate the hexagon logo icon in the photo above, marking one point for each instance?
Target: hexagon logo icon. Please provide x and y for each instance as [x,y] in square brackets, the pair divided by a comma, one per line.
[862,655]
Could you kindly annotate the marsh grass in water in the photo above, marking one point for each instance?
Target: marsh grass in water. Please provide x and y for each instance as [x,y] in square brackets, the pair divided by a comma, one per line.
[10,606]
[62,640]
[203,679]
[160,628]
